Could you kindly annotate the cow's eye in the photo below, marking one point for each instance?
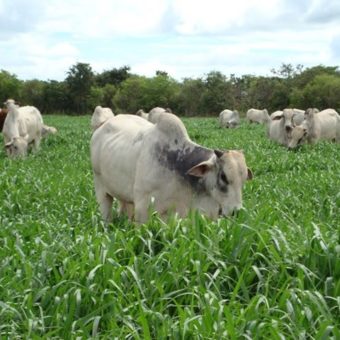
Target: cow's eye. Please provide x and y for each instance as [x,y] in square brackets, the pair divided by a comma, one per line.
[224,178]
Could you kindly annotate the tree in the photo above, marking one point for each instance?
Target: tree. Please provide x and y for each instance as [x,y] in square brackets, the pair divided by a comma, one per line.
[32,93]
[55,97]
[322,92]
[129,96]
[9,86]
[80,78]
[218,94]
[114,77]
[190,96]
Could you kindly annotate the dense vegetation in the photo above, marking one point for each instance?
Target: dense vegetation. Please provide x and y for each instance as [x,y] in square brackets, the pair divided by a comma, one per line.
[123,91]
[271,272]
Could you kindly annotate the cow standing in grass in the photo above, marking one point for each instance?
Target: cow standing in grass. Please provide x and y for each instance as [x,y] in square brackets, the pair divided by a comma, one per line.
[141,163]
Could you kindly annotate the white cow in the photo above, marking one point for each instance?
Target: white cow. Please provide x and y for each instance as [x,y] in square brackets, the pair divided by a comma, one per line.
[22,127]
[282,123]
[323,125]
[138,162]
[99,116]
[229,119]
[258,116]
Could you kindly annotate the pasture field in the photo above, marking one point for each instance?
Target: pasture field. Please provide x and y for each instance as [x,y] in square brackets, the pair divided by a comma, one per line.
[271,272]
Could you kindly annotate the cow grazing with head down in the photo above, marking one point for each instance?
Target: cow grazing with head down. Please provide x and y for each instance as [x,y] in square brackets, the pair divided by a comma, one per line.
[138,163]
[258,116]
[229,118]
[22,127]
[282,123]
[323,125]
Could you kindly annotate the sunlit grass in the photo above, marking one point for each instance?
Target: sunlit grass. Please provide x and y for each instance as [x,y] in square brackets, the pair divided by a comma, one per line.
[271,272]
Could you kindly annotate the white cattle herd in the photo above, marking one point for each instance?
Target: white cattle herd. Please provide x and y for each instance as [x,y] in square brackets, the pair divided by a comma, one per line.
[147,160]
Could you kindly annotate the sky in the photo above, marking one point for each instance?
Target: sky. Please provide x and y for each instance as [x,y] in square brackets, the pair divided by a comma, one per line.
[42,39]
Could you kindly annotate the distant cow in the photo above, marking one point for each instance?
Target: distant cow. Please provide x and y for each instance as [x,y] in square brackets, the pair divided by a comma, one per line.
[323,125]
[99,116]
[258,116]
[229,119]
[282,123]
[3,114]
[22,127]
[141,163]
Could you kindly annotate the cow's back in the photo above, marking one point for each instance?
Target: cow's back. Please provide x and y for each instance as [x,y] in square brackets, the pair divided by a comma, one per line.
[115,148]
[32,120]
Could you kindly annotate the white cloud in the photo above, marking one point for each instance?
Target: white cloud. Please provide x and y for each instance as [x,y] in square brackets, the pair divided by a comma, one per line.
[186,38]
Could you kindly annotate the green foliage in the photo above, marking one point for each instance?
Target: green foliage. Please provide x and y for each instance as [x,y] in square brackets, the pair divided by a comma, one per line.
[32,93]
[271,272]
[217,94]
[9,86]
[80,78]
[114,77]
[142,92]
[82,90]
[323,92]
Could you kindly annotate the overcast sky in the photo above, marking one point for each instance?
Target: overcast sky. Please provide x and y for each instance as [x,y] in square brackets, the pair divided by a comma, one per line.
[187,38]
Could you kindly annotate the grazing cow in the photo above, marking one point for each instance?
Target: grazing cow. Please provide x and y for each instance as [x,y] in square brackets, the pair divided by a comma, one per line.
[22,127]
[138,163]
[323,125]
[3,114]
[298,136]
[282,123]
[99,116]
[229,119]
[258,116]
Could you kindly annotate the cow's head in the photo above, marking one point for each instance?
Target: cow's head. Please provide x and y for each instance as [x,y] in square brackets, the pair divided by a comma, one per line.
[298,136]
[17,147]
[223,175]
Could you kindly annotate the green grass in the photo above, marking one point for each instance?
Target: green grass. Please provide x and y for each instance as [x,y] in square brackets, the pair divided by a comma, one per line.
[271,272]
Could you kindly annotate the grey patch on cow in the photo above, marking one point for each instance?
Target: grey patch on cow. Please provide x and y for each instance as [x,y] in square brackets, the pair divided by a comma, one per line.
[181,161]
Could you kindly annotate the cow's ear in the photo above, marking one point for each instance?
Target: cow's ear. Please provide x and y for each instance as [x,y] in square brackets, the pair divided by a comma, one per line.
[8,145]
[249,174]
[201,169]
[218,153]
[277,117]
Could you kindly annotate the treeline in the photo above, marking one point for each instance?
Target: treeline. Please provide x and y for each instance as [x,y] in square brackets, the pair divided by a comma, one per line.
[119,89]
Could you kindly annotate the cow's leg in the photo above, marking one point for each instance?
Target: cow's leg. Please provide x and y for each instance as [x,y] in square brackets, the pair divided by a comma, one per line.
[104,200]
[127,209]
[36,144]
[141,210]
